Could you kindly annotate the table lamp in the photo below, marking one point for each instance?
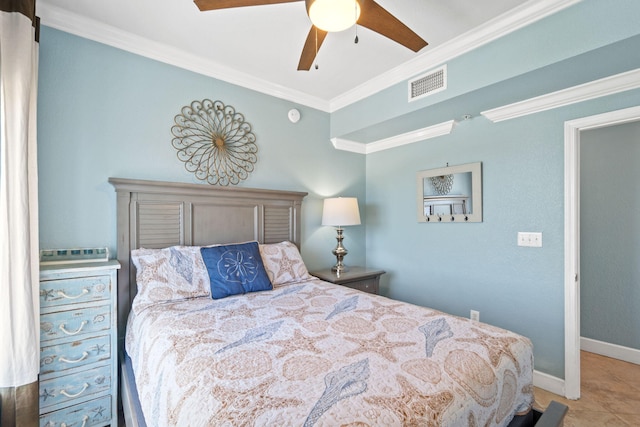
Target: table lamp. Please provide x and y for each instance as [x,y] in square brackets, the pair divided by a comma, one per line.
[340,212]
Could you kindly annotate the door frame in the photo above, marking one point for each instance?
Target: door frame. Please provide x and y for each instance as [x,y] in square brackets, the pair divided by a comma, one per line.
[572,130]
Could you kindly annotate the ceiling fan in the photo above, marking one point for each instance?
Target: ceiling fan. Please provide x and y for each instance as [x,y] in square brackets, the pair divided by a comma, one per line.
[367,13]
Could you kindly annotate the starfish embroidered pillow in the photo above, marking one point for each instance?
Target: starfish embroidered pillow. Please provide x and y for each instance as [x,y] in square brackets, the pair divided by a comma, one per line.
[235,269]
[284,263]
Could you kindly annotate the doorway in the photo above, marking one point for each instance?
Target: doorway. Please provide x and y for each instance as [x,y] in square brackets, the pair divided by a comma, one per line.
[572,133]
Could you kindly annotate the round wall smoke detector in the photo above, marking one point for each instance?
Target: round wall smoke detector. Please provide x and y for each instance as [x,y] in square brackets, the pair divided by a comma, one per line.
[294,115]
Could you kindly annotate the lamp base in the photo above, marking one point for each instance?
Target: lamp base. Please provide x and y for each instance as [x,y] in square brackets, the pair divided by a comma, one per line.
[338,269]
[340,252]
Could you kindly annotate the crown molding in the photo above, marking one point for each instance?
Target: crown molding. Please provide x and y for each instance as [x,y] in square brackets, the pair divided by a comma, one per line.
[429,132]
[515,19]
[348,145]
[72,23]
[440,129]
[500,26]
[595,89]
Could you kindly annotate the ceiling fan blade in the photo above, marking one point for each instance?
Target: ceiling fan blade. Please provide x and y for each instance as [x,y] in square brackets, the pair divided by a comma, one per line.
[376,18]
[225,4]
[311,48]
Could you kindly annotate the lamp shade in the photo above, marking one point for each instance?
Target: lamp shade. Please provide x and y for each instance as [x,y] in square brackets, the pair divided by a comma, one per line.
[333,15]
[340,211]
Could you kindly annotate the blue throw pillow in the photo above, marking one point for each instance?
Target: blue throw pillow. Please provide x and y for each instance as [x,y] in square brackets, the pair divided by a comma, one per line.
[235,269]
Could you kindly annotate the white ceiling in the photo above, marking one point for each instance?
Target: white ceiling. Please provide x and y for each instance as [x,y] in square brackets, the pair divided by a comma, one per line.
[259,46]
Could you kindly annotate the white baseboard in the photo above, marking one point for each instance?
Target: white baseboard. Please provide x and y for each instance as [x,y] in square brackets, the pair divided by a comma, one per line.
[615,351]
[548,382]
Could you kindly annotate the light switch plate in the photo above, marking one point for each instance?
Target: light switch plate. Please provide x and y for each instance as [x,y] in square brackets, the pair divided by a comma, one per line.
[531,239]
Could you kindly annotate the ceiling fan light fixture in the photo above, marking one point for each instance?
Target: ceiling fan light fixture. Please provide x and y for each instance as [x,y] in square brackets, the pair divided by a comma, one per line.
[333,15]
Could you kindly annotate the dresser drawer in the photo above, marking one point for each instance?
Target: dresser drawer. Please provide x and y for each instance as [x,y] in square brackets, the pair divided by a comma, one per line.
[74,290]
[75,387]
[58,358]
[93,412]
[72,323]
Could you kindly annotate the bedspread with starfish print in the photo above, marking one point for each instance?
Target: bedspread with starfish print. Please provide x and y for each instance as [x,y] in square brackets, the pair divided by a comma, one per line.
[318,354]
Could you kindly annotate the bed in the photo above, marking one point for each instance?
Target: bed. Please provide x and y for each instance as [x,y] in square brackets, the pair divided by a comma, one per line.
[291,350]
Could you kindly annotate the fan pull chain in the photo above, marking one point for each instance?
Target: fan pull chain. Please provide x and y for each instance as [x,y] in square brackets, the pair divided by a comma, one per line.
[316,58]
[355,10]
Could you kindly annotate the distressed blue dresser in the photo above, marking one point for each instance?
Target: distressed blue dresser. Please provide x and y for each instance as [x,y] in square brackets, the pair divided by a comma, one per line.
[78,344]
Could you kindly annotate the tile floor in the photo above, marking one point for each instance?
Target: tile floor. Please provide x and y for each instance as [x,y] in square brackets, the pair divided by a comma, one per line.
[609,394]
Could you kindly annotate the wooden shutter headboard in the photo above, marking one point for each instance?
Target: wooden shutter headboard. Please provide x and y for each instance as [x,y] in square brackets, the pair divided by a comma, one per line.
[155,214]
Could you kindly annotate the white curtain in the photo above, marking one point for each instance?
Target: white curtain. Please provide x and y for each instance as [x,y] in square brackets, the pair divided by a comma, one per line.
[19,306]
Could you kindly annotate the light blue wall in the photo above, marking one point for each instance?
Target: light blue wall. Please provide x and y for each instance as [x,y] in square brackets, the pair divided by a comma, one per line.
[610,234]
[103,112]
[458,267]
[588,25]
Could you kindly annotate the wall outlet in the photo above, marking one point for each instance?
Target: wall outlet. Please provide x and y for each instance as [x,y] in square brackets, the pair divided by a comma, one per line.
[526,238]
[475,316]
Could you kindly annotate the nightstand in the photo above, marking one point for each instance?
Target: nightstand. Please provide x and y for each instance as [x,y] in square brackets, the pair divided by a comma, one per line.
[363,279]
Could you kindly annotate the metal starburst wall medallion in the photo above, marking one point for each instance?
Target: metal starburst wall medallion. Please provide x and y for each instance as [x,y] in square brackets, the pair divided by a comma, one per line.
[214,142]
